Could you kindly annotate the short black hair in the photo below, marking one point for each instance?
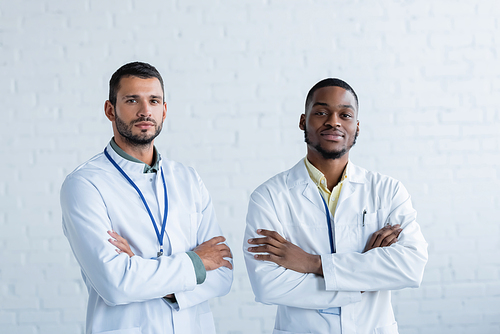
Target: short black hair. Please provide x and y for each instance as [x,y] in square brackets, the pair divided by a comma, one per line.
[134,69]
[329,82]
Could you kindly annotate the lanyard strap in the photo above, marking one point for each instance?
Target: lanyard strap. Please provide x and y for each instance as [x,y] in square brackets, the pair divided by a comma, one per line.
[165,213]
[328,222]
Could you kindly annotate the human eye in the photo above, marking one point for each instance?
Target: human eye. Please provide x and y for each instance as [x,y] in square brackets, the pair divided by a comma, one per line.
[155,101]
[131,101]
[320,112]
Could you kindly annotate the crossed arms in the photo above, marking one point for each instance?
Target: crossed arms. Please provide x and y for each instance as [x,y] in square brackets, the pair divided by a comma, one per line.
[273,247]
[120,279]
[309,276]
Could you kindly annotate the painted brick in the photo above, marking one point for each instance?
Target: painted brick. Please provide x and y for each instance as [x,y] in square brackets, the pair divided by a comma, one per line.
[236,75]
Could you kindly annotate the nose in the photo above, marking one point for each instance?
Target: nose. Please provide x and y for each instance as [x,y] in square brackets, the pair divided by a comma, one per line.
[333,120]
[145,109]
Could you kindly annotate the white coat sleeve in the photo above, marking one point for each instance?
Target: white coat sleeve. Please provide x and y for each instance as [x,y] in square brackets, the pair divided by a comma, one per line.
[273,284]
[384,268]
[218,282]
[117,278]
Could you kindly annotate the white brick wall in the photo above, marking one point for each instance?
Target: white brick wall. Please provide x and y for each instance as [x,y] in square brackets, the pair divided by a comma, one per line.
[236,72]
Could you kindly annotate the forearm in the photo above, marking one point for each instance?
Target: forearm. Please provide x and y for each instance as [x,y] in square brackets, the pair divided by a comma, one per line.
[218,283]
[118,278]
[384,268]
[125,280]
[273,284]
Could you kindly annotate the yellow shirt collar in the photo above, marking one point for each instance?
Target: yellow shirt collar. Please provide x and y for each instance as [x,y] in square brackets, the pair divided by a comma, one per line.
[319,178]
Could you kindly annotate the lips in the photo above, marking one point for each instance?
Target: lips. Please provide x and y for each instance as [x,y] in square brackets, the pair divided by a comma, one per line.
[332,135]
[144,125]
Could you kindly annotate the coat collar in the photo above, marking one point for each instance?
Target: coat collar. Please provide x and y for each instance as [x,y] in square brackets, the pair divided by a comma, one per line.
[130,167]
[299,180]
[299,175]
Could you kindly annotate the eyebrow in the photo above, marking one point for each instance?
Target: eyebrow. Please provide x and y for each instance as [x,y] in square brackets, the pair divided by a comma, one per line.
[130,97]
[137,96]
[340,106]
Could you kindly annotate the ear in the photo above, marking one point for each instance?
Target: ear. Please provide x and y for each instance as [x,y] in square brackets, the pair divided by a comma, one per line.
[164,110]
[109,110]
[357,126]
[302,122]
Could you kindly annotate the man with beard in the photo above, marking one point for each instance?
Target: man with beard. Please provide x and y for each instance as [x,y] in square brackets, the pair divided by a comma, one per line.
[171,258]
[327,240]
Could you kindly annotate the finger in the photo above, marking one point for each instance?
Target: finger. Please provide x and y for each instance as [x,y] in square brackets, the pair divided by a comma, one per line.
[215,240]
[117,243]
[118,237]
[222,247]
[226,253]
[257,240]
[388,237]
[382,234]
[265,249]
[119,251]
[114,242]
[259,249]
[267,257]
[227,264]
[388,240]
[113,234]
[224,250]
[369,245]
[268,241]
[272,234]
[375,239]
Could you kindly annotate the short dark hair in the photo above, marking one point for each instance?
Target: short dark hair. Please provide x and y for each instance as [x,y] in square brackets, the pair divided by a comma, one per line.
[134,69]
[328,82]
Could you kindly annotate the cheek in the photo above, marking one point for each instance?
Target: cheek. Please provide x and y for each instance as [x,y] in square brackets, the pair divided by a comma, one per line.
[314,123]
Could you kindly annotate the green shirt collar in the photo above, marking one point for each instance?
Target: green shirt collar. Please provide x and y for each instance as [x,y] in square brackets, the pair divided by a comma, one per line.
[147,169]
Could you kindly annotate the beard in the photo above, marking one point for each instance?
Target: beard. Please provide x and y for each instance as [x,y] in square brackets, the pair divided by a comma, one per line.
[142,139]
[332,155]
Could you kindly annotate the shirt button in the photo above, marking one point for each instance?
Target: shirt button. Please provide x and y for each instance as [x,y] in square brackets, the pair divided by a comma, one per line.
[151,180]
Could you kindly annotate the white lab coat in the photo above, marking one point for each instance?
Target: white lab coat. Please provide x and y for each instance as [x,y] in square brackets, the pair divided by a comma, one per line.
[125,294]
[290,203]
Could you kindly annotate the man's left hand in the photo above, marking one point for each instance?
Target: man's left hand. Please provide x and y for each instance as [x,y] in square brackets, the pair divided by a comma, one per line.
[121,243]
[282,252]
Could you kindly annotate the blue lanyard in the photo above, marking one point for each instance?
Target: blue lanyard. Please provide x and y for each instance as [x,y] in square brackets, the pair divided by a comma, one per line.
[165,213]
[328,221]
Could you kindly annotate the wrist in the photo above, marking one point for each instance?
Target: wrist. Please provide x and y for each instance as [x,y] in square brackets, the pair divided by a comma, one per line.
[317,266]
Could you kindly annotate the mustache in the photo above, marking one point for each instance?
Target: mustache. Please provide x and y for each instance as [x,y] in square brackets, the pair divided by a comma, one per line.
[144,119]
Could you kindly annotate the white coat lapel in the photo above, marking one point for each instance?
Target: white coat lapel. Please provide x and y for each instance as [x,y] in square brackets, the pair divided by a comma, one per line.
[355,177]
[300,181]
[347,191]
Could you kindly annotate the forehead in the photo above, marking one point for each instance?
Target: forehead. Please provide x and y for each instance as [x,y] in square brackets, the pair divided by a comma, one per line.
[138,86]
[334,96]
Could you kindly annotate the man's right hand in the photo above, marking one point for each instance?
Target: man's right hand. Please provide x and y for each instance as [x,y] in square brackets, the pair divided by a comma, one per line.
[212,253]
[384,237]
